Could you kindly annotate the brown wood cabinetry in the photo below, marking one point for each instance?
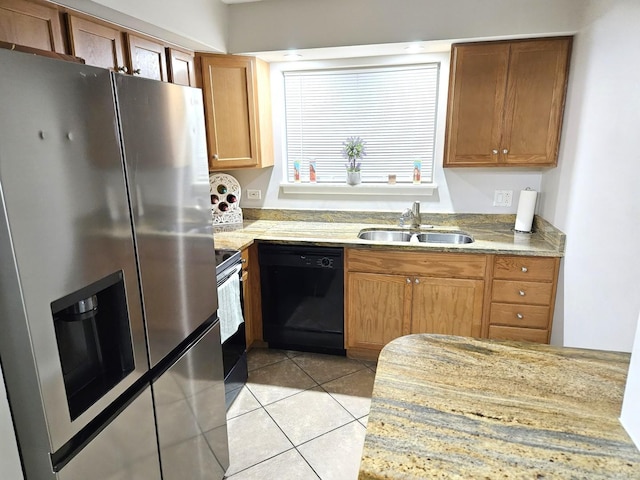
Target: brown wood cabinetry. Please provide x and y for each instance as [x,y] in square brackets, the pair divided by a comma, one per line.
[522,298]
[237,111]
[147,57]
[252,295]
[98,43]
[390,294]
[377,309]
[181,65]
[506,101]
[32,25]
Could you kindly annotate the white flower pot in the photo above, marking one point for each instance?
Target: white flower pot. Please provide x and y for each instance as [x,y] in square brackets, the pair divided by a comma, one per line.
[353,178]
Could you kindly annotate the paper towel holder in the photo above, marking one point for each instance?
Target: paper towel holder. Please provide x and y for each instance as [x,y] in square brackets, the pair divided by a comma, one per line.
[526,211]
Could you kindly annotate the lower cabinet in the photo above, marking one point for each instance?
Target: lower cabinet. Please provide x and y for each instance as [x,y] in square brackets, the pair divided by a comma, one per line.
[450,306]
[390,294]
[522,298]
[378,309]
[252,303]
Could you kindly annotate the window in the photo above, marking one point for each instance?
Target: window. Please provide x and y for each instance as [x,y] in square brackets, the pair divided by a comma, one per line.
[393,109]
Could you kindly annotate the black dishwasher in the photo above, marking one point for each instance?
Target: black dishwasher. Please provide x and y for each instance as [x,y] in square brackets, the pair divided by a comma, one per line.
[302,297]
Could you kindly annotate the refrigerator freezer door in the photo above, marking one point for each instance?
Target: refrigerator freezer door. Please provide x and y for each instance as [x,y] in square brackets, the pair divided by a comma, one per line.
[191,413]
[64,224]
[126,449]
[162,129]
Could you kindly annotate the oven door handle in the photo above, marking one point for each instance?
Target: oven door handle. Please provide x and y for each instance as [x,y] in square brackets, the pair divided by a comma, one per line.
[227,274]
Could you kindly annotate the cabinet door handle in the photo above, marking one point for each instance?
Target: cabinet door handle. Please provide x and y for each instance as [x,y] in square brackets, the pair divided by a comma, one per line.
[520,316]
[215,156]
[525,269]
[136,71]
[408,280]
[417,281]
[494,151]
[122,69]
[505,151]
[522,293]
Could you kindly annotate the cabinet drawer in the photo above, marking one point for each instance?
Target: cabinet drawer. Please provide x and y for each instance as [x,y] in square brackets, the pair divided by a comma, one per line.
[531,269]
[529,316]
[518,334]
[530,293]
[447,265]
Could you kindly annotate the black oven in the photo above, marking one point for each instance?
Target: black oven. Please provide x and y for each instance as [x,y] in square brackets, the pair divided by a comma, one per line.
[232,325]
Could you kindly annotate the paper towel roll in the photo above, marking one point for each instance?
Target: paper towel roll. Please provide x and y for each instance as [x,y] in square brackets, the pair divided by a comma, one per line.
[526,210]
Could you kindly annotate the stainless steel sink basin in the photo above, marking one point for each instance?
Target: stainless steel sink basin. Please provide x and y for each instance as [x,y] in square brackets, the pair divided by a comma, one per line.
[382,235]
[444,237]
[385,235]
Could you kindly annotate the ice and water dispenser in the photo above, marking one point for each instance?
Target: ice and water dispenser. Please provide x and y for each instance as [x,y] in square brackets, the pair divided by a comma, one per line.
[94,340]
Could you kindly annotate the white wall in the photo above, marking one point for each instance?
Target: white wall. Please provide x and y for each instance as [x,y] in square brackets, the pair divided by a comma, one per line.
[593,195]
[9,460]
[285,24]
[462,190]
[196,24]
[630,416]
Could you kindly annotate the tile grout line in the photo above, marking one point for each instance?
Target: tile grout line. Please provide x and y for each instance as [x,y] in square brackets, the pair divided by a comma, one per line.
[317,384]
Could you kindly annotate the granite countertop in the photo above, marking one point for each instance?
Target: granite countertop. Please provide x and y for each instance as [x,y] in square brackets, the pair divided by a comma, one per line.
[462,408]
[493,234]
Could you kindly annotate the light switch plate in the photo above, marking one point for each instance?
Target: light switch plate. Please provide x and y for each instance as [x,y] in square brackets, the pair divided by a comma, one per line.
[502,198]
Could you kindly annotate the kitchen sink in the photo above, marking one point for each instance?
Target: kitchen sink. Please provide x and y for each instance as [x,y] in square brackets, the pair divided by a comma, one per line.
[423,237]
[385,235]
[444,237]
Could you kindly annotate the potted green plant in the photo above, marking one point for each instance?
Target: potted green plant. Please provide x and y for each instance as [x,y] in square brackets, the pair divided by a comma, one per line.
[353,149]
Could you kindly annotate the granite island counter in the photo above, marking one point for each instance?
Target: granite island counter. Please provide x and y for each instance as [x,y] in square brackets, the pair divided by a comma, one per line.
[455,407]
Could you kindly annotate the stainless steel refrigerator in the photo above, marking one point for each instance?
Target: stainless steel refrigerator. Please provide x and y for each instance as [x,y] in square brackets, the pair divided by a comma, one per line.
[110,342]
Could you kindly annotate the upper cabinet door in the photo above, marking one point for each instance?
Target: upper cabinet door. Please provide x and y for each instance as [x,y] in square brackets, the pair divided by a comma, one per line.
[99,44]
[506,101]
[32,25]
[476,102]
[181,66]
[535,101]
[147,58]
[230,106]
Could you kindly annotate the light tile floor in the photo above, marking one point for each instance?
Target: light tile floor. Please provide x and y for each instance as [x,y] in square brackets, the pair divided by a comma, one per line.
[300,416]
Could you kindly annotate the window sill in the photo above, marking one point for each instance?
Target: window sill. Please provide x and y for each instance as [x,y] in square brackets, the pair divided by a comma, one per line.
[364,189]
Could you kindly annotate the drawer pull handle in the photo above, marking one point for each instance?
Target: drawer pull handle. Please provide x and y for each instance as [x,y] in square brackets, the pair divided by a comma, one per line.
[520,316]
[522,293]
[525,269]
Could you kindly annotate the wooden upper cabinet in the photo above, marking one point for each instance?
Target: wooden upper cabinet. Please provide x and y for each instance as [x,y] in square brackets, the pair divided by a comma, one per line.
[506,101]
[181,66]
[147,57]
[238,121]
[32,25]
[99,44]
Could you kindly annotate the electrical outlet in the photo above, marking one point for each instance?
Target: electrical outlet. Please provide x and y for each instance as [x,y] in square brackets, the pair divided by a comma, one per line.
[502,198]
[254,194]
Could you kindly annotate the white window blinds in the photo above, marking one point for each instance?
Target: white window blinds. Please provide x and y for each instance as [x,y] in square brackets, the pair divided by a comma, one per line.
[393,109]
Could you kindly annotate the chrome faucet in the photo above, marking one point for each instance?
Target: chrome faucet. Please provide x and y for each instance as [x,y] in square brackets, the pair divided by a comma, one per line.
[412,214]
